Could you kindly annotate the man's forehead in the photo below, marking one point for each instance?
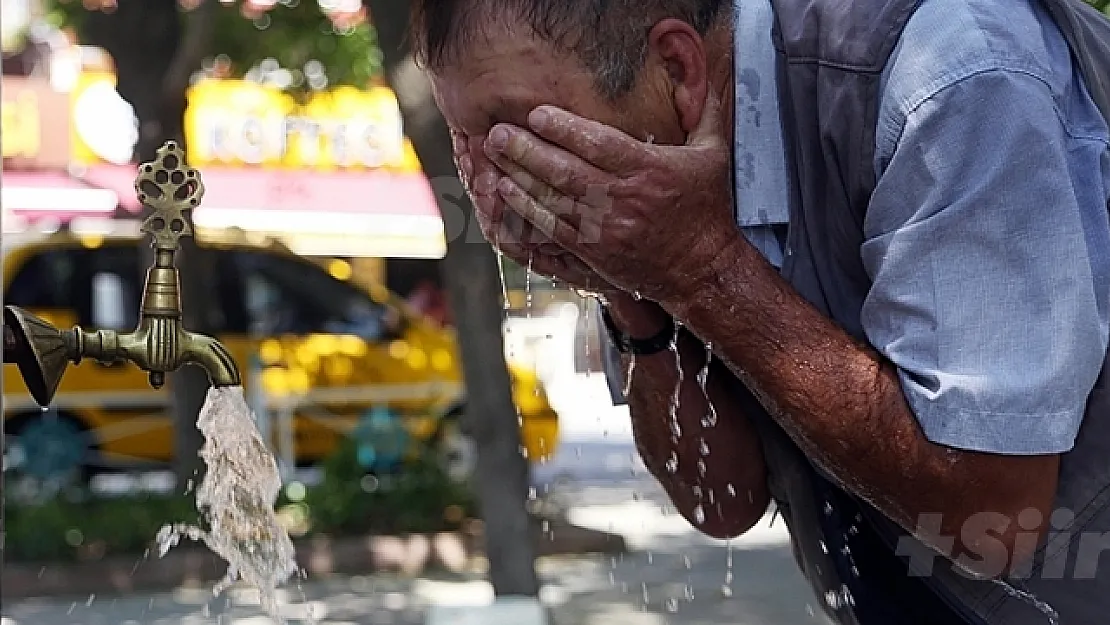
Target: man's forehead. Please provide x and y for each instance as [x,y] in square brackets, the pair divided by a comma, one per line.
[504,79]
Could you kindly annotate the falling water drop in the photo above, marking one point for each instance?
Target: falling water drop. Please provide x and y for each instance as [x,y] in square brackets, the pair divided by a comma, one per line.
[637,296]
[731,490]
[703,447]
[672,604]
[699,515]
[672,463]
[631,371]
[504,285]
[710,419]
[644,591]
[824,547]
[528,287]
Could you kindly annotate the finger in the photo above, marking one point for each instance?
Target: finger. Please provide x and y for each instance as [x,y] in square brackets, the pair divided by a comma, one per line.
[602,146]
[545,218]
[550,163]
[540,190]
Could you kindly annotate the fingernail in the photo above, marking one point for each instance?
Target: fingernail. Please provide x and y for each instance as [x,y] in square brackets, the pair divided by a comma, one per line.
[538,119]
[498,138]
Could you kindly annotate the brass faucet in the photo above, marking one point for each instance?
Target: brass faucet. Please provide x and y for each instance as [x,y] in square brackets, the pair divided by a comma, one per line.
[160,343]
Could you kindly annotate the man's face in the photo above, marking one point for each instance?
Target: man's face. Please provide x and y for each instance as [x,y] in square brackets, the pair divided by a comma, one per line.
[502,77]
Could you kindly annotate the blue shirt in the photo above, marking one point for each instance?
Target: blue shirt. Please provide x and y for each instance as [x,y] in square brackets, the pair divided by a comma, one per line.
[987,237]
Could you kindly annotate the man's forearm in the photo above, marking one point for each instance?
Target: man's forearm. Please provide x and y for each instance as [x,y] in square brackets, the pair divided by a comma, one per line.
[710,463]
[842,403]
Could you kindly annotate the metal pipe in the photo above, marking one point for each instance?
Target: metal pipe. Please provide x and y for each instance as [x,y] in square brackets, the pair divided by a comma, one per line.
[160,344]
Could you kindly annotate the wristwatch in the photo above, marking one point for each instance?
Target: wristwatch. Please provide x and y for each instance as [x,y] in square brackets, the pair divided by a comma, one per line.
[626,344]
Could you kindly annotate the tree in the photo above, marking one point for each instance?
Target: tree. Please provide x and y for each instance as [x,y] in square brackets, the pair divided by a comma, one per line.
[471,274]
[157,46]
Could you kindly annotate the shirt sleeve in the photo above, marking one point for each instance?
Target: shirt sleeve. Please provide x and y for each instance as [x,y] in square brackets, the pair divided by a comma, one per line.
[986,240]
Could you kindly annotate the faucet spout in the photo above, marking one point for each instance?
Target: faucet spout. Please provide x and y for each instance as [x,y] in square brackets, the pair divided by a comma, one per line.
[211,355]
[160,344]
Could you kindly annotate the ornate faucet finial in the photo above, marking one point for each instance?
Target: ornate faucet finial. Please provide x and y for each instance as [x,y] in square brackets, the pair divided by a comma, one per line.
[170,189]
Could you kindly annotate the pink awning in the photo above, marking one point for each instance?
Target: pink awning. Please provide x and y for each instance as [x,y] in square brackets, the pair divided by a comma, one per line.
[227,189]
[53,195]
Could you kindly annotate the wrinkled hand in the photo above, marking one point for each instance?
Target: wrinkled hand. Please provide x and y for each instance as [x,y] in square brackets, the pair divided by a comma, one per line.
[646,218]
[517,238]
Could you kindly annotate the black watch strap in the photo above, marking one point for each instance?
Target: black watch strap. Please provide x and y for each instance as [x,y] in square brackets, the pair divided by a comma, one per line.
[638,347]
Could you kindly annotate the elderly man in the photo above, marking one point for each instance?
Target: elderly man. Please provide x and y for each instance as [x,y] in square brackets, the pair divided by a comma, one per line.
[883,224]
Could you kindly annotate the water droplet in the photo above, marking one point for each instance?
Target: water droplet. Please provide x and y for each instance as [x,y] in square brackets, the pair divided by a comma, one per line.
[89,601]
[672,463]
[853,530]
[703,447]
[636,295]
[699,515]
[672,604]
[686,562]
[824,547]
[828,509]
[701,467]
[72,607]
[832,599]
[731,490]
[644,591]
[650,558]
[726,591]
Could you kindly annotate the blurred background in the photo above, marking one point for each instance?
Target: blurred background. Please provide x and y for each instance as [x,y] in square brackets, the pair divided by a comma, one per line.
[324,263]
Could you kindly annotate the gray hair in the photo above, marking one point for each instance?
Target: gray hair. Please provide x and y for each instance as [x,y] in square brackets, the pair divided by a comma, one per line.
[610,37]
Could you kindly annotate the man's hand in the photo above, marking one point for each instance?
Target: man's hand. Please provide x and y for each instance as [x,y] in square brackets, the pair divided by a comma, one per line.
[644,217]
[516,238]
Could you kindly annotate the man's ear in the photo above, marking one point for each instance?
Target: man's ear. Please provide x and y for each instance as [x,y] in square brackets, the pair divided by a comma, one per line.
[681,49]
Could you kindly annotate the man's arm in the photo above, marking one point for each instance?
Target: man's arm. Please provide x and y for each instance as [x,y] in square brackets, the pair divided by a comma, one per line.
[975,220]
[713,469]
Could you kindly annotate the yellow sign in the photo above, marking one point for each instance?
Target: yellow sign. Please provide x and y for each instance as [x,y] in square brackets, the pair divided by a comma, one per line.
[34,128]
[239,123]
[20,126]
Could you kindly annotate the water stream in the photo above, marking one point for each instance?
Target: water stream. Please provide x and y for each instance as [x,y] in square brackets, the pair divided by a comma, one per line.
[236,501]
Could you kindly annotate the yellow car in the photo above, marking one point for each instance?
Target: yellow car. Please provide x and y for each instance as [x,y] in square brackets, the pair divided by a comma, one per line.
[321,359]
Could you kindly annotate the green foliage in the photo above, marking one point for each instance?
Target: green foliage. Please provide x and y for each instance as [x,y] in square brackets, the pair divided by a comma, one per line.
[292,33]
[419,499]
[74,526]
[64,529]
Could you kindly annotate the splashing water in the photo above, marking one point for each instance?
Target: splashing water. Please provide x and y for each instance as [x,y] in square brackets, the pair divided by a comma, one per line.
[1028,597]
[236,500]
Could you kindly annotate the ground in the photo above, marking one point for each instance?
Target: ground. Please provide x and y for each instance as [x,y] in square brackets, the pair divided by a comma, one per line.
[672,575]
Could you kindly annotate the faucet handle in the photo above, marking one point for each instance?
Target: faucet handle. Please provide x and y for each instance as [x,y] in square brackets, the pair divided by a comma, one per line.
[170,189]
